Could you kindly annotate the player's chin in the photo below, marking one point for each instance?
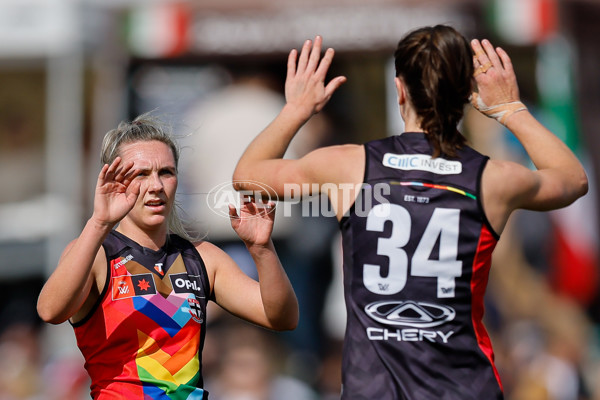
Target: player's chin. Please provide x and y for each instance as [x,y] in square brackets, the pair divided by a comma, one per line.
[155,220]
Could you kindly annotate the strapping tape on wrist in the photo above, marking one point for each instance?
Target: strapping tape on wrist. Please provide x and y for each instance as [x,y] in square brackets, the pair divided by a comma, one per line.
[500,112]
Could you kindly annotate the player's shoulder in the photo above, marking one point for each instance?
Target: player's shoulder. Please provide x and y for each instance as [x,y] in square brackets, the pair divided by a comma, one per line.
[336,155]
[209,252]
[334,164]
[205,246]
[505,172]
[509,182]
[339,150]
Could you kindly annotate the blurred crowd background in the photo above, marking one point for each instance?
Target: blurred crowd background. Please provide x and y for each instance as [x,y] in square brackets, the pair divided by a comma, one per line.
[70,70]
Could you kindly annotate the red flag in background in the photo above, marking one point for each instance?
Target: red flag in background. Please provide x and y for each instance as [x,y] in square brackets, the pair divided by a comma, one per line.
[523,22]
[573,258]
[574,254]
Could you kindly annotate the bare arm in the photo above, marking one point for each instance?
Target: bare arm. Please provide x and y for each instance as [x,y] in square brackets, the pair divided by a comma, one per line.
[270,302]
[306,94]
[559,178]
[81,264]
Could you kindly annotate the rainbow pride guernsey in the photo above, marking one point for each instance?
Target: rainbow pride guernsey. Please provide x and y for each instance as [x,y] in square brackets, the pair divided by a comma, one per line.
[144,337]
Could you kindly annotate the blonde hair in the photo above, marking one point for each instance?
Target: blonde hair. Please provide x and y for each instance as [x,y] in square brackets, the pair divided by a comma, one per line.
[146,127]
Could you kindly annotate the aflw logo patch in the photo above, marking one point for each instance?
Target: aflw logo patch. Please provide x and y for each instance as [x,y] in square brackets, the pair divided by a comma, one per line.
[127,286]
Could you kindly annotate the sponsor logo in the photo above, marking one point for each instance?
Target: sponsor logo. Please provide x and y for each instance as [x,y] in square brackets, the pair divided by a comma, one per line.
[408,335]
[195,309]
[400,315]
[410,313]
[422,162]
[184,283]
[221,196]
[158,268]
[123,261]
[127,286]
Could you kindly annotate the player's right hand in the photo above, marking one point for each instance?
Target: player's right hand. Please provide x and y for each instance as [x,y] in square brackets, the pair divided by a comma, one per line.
[116,192]
[305,81]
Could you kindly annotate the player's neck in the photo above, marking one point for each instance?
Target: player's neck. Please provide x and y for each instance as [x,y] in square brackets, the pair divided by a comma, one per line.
[411,122]
[150,238]
[412,126]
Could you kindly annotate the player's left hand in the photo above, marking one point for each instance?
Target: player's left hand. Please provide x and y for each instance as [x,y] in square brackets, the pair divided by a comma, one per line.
[254,224]
[497,94]
[494,74]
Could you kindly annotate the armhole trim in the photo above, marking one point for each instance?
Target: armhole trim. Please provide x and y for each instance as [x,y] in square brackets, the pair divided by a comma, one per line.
[196,253]
[365,176]
[102,294]
[479,199]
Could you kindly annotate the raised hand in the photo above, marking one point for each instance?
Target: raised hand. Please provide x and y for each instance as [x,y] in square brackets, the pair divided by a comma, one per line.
[498,93]
[305,81]
[116,192]
[254,224]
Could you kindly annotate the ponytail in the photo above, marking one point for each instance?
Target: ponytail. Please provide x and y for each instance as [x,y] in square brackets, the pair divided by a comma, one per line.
[436,66]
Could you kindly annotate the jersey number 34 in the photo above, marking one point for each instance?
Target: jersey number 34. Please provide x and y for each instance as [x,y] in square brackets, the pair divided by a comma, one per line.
[443,224]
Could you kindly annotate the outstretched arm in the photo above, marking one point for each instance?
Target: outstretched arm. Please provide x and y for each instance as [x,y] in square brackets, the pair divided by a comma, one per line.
[306,94]
[270,302]
[559,179]
[69,285]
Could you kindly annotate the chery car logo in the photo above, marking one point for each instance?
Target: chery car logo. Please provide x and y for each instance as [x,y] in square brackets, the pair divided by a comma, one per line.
[410,313]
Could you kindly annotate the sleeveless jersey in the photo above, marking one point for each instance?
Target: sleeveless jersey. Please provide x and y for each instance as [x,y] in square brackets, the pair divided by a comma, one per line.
[144,337]
[417,251]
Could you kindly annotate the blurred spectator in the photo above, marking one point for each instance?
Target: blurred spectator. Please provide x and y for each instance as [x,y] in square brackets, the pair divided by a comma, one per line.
[219,127]
[21,149]
[329,383]
[19,362]
[250,366]
[34,371]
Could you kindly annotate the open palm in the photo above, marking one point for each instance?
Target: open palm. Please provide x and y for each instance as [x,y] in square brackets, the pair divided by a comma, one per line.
[305,80]
[254,224]
[116,192]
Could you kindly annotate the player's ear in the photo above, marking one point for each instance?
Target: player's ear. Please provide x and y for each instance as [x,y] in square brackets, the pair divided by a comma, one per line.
[400,88]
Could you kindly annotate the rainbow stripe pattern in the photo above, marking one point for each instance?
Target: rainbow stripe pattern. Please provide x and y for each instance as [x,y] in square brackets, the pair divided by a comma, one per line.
[168,365]
[433,186]
[145,340]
